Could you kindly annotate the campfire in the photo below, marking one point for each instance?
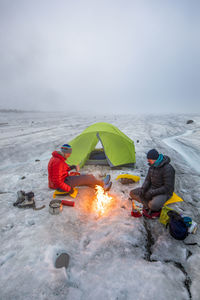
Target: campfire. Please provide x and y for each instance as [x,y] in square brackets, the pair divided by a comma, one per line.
[102,201]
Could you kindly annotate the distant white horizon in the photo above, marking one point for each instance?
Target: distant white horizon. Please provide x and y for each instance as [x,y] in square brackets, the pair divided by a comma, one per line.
[100,113]
[64,110]
[100,56]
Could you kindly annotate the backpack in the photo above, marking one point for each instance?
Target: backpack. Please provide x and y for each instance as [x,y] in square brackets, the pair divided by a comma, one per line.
[177,226]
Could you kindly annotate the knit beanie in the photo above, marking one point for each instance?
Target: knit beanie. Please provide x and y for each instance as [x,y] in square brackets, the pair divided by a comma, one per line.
[66,148]
[153,154]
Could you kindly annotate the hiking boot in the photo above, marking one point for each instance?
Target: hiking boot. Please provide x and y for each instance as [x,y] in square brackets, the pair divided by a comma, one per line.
[28,201]
[151,214]
[29,196]
[106,180]
[20,198]
[155,214]
[107,186]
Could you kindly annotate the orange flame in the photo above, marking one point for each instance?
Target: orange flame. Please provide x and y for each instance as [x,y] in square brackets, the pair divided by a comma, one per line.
[102,202]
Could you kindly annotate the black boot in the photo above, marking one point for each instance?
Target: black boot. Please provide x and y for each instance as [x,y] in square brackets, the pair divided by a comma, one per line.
[20,198]
[106,180]
[28,202]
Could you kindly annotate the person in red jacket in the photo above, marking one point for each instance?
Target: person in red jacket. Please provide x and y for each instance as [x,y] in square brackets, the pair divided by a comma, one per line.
[59,173]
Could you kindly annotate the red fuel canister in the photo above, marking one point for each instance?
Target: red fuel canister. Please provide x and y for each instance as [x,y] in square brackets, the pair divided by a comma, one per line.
[67,203]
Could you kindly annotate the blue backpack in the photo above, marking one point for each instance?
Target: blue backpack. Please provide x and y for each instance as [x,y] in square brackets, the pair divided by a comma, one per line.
[177,226]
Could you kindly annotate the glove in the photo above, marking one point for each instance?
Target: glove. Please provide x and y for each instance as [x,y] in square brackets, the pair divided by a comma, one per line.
[141,193]
[72,167]
[74,173]
[71,191]
[148,195]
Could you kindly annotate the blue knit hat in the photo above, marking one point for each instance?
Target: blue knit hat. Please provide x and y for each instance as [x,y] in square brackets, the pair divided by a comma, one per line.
[153,154]
[66,148]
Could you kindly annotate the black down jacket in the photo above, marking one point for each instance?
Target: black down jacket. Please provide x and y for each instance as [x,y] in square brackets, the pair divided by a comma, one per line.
[161,179]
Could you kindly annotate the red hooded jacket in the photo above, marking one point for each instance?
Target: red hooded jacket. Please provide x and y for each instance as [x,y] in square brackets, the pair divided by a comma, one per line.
[57,172]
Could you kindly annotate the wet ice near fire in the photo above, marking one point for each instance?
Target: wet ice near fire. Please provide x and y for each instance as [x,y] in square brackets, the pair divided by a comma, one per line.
[114,256]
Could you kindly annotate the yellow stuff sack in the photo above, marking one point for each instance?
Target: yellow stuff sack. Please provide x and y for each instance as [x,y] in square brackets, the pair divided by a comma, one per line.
[58,193]
[135,178]
[174,198]
[164,218]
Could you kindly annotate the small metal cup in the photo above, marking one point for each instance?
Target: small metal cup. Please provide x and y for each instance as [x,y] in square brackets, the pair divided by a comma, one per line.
[55,207]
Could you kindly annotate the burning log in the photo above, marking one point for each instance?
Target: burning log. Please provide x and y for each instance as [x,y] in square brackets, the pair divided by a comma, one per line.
[102,201]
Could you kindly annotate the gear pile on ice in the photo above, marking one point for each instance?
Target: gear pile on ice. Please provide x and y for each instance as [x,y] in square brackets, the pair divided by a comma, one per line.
[26,200]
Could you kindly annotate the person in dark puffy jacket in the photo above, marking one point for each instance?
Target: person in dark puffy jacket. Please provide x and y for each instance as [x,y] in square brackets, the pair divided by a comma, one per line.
[60,178]
[158,185]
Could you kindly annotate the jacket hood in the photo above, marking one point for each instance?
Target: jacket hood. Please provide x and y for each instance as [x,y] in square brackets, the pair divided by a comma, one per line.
[58,154]
[166,160]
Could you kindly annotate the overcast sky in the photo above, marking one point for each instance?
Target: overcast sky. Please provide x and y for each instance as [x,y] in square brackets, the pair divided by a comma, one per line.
[120,56]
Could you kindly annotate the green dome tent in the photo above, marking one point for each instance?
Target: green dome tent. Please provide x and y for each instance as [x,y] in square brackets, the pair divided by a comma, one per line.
[118,148]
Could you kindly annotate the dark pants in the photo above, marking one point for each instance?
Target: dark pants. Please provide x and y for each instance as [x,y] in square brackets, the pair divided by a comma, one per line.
[81,180]
[155,204]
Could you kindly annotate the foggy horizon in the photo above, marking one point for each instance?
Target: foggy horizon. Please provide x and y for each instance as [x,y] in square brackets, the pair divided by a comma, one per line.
[100,57]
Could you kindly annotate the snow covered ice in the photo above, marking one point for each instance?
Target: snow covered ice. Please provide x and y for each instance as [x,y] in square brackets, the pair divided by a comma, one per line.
[111,257]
